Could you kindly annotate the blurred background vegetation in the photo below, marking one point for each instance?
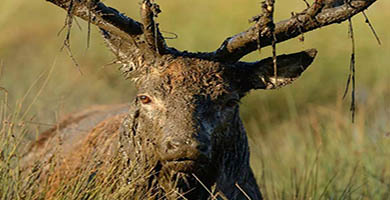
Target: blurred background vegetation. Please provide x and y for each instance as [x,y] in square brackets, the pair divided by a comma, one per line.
[302,139]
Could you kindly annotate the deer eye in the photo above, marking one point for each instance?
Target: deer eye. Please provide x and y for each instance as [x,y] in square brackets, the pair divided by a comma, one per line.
[144,99]
[232,103]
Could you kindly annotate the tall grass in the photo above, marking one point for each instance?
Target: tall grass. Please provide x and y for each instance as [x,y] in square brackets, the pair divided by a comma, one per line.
[303,144]
[321,155]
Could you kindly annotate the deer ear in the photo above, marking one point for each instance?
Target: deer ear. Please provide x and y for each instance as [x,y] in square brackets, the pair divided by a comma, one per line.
[260,75]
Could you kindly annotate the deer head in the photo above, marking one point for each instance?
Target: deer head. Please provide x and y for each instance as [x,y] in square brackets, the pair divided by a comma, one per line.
[186,114]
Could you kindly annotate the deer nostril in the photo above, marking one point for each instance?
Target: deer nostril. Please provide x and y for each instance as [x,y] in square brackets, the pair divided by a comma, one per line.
[203,148]
[173,145]
[170,146]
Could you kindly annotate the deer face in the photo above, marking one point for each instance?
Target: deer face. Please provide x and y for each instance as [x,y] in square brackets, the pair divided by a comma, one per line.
[183,115]
[189,112]
[184,128]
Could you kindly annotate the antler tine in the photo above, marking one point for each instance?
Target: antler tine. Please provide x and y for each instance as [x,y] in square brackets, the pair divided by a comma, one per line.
[237,46]
[152,33]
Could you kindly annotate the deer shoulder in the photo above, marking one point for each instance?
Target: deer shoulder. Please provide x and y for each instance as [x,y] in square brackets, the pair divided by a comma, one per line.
[78,133]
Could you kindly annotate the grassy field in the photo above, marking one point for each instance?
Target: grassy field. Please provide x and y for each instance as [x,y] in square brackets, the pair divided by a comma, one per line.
[303,143]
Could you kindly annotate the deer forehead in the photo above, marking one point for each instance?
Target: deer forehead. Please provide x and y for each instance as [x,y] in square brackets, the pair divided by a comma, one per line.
[186,78]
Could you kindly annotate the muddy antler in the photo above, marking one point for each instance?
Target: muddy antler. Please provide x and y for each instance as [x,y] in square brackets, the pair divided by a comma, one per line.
[138,44]
[102,16]
[152,33]
[237,46]
[132,42]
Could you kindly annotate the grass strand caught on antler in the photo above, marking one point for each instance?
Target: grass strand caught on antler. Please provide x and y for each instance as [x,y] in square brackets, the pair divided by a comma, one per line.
[352,73]
[372,28]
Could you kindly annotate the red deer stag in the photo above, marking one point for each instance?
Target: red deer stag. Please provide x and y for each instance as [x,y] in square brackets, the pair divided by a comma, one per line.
[182,137]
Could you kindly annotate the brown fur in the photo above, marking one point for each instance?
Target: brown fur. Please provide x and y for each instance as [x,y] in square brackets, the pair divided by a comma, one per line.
[85,134]
[100,140]
[69,132]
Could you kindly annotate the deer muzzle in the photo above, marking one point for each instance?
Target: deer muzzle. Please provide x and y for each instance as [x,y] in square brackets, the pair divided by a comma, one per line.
[183,154]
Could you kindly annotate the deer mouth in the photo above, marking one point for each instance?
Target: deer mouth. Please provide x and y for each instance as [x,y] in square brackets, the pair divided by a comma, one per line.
[186,165]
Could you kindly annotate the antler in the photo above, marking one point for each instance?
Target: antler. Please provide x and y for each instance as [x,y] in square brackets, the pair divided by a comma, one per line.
[316,16]
[137,44]
[102,16]
[134,43]
[152,33]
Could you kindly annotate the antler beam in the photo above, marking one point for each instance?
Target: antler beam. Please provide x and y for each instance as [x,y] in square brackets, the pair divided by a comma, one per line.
[134,43]
[237,46]
[104,17]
